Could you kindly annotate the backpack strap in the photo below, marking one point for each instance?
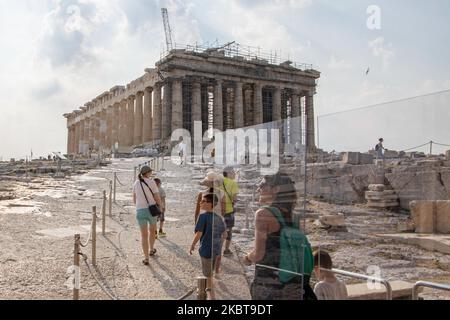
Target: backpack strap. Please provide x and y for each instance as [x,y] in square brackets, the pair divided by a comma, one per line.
[226,191]
[277,214]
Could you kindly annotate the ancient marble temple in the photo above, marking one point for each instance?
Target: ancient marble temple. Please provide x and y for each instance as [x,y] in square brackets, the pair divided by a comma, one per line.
[212,86]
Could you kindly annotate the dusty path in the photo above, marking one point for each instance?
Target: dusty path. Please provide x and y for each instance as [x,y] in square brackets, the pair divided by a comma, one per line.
[37,241]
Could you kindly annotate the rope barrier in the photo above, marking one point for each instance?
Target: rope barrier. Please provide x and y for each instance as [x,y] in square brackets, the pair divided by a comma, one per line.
[85,258]
[84,245]
[441,144]
[423,145]
[189,293]
[117,178]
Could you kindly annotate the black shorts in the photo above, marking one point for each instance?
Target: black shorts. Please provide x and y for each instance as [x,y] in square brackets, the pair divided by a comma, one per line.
[229,220]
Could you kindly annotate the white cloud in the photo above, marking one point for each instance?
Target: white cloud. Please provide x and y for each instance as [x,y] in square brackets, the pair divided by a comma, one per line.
[339,64]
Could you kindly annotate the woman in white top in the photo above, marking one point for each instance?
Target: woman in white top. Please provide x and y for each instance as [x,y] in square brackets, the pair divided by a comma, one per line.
[145,194]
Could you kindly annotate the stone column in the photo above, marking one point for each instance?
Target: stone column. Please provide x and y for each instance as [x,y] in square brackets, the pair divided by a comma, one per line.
[166,124]
[109,127]
[276,110]
[103,129]
[81,137]
[80,132]
[130,121]
[157,114]
[177,105]
[148,120]
[96,131]
[196,104]
[248,109]
[238,106]
[138,119]
[115,124]
[89,138]
[123,124]
[69,139]
[310,122]
[218,105]
[76,142]
[73,139]
[258,105]
[296,120]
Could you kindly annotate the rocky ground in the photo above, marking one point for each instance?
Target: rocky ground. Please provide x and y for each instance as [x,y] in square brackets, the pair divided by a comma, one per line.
[39,217]
[39,223]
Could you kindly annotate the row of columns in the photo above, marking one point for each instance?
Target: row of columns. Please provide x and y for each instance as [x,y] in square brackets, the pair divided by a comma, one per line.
[151,115]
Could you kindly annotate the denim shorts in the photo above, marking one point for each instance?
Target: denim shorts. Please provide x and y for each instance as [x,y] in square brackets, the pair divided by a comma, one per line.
[144,217]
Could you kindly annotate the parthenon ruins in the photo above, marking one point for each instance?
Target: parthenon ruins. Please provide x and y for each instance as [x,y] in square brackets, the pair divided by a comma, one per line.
[221,89]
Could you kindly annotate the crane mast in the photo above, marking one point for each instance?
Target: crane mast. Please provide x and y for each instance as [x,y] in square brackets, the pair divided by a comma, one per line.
[167,29]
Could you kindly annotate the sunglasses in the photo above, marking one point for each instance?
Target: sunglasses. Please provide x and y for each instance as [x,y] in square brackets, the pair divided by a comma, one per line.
[204,201]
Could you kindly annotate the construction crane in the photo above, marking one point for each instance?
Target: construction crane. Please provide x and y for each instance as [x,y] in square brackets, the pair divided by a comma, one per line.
[167,30]
[220,48]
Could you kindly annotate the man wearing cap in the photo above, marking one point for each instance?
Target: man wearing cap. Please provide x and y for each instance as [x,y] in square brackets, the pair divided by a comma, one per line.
[231,190]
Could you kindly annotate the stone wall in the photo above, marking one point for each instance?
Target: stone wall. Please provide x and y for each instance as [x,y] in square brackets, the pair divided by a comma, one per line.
[431,216]
[337,182]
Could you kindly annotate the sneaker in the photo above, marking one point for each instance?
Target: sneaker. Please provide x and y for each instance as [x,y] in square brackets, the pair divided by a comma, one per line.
[162,234]
[227,252]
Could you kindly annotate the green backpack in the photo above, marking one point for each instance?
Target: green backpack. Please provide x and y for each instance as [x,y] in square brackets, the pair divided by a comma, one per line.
[295,250]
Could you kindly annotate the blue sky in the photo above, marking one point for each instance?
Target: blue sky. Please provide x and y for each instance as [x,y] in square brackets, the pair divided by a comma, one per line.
[57,55]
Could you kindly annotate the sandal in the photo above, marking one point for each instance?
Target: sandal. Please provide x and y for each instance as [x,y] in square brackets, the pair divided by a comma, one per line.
[152,253]
[145,262]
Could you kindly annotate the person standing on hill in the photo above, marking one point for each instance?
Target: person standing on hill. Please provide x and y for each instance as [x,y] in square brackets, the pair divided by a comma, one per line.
[379,149]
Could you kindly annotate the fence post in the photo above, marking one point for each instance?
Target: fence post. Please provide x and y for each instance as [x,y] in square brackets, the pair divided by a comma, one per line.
[110,198]
[115,186]
[104,214]
[201,288]
[94,235]
[76,265]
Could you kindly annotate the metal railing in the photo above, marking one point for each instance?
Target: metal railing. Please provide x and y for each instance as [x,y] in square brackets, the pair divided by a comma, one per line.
[419,284]
[364,277]
[239,51]
[285,271]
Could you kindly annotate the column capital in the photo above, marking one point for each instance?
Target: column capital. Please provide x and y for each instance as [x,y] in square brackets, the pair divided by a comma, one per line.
[131,97]
[297,92]
[148,89]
